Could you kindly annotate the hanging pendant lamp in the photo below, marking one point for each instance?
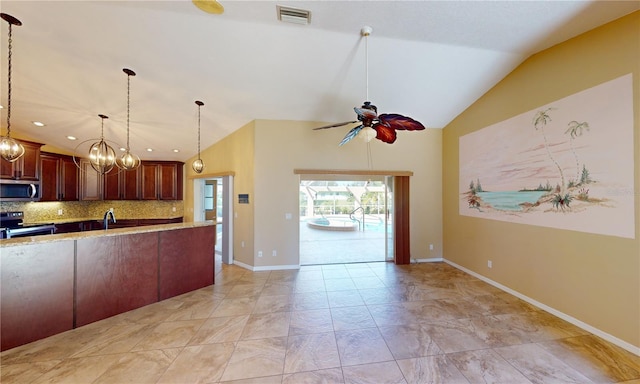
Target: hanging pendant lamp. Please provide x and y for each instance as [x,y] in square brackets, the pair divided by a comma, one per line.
[198,165]
[10,149]
[128,161]
[101,155]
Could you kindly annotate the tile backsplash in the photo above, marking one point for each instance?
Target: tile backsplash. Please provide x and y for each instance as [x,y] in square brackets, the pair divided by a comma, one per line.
[125,209]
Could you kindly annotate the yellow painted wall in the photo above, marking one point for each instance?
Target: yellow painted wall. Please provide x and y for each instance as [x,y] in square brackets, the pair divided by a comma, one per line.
[263,156]
[282,146]
[592,278]
[233,154]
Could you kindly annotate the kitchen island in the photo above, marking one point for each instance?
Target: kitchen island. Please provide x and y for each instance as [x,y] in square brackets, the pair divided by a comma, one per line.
[54,283]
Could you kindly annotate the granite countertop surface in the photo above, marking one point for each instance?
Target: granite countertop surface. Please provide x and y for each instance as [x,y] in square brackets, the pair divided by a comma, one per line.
[43,239]
[83,219]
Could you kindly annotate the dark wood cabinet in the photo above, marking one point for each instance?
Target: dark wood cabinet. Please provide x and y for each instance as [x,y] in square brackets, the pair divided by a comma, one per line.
[115,274]
[93,225]
[52,287]
[161,180]
[69,227]
[90,182]
[59,181]
[26,167]
[122,185]
[62,180]
[186,260]
[36,295]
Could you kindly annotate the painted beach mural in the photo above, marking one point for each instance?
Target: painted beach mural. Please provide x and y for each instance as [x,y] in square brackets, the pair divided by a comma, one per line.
[567,165]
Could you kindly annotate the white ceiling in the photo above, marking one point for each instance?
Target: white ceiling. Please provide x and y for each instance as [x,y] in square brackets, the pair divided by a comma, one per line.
[427,59]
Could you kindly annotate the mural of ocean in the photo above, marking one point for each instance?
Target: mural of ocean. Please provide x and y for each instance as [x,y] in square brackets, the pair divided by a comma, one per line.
[510,200]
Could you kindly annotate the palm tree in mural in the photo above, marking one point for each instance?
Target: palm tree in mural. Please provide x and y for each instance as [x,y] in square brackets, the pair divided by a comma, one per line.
[540,120]
[575,129]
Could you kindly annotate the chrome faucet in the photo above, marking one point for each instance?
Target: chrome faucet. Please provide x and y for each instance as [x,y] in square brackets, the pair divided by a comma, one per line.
[106,219]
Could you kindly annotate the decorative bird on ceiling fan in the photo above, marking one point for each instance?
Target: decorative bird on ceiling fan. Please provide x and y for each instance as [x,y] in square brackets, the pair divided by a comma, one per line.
[384,126]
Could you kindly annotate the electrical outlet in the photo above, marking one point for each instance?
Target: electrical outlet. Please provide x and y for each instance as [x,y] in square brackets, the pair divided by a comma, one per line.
[173,209]
[59,212]
[431,247]
[274,253]
[242,244]
[489,264]
[259,253]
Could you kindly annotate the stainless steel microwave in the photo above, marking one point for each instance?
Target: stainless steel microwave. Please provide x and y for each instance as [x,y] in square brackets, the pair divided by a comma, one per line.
[17,190]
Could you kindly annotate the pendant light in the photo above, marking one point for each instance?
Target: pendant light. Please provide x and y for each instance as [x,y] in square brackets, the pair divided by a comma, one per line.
[101,155]
[128,161]
[10,149]
[198,165]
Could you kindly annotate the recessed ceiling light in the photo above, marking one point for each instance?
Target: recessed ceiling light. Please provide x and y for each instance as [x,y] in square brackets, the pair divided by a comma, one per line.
[38,124]
[149,149]
[176,150]
[71,138]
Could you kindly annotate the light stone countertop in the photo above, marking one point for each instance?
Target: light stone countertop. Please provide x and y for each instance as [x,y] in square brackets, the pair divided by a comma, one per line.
[83,219]
[42,239]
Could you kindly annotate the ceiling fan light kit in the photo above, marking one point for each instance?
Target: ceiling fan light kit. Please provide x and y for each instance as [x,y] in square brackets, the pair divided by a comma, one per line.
[382,127]
[10,149]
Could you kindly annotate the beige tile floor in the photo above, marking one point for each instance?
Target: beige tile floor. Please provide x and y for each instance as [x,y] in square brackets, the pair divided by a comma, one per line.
[343,323]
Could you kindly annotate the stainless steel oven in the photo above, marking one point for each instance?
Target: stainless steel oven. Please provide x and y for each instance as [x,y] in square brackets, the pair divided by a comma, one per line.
[11,226]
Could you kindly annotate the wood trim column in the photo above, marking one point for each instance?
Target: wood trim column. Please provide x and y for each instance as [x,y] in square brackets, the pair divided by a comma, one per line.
[401,220]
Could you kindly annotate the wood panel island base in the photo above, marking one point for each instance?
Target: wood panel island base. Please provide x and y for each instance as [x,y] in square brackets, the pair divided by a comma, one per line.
[54,283]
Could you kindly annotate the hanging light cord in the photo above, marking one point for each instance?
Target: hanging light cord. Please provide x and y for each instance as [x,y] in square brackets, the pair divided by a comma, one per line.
[128,98]
[9,86]
[199,131]
[366,70]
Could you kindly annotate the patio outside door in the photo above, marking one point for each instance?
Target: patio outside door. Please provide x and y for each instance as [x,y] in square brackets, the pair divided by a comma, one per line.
[210,199]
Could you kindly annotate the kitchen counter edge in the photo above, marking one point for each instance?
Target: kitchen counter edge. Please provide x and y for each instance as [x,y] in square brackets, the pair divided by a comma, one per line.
[42,239]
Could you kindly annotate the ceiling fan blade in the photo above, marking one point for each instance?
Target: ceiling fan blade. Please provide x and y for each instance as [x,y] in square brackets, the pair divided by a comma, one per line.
[209,6]
[385,134]
[399,122]
[335,125]
[352,133]
[365,114]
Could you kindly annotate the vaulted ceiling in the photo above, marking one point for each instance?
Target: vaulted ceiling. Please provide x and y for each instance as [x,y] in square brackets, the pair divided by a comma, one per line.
[426,59]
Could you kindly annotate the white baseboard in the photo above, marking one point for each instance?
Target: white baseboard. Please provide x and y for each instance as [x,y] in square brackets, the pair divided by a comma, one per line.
[610,338]
[266,267]
[431,260]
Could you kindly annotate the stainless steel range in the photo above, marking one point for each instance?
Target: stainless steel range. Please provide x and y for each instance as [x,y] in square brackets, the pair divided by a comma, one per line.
[11,226]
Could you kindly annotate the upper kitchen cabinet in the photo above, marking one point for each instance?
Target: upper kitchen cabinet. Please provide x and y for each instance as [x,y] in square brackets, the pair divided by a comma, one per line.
[26,167]
[161,180]
[90,182]
[59,181]
[122,185]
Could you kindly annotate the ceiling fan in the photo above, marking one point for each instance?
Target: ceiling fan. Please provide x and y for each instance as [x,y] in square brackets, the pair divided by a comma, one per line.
[209,6]
[384,126]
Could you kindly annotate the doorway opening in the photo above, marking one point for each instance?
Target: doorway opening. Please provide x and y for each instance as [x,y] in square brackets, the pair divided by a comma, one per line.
[212,201]
[346,219]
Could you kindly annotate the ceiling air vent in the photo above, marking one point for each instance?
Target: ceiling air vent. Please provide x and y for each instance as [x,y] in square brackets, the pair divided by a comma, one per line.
[293,15]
